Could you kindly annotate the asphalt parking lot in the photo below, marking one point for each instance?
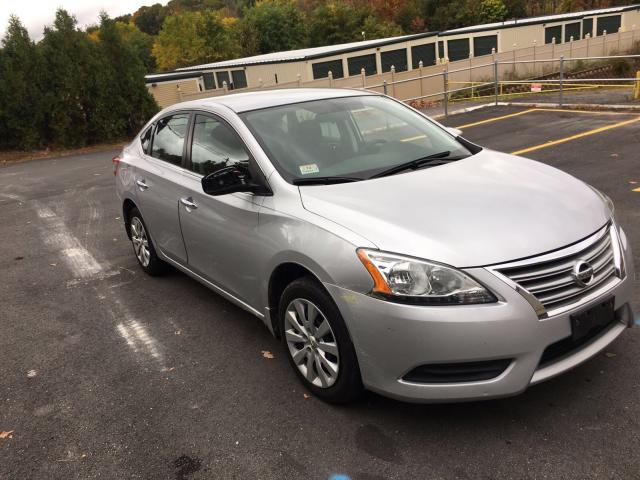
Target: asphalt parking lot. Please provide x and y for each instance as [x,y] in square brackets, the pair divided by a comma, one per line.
[108,373]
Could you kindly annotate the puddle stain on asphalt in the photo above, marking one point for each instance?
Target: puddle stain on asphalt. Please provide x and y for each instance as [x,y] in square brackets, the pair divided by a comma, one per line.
[373,441]
[186,466]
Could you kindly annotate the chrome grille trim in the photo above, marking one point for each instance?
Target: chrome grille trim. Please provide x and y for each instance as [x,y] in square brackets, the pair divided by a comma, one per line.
[547,282]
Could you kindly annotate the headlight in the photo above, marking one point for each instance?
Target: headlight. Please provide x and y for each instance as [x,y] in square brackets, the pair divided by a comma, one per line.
[410,280]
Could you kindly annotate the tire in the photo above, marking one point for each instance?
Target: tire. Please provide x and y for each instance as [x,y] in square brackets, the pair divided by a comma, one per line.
[334,375]
[143,248]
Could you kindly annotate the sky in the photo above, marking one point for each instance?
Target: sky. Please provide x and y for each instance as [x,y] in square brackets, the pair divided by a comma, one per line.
[35,14]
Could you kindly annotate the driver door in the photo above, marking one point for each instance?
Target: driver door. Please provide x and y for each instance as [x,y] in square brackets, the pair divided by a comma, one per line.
[220,233]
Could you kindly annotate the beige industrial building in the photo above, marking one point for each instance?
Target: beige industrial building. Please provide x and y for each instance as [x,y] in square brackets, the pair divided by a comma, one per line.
[370,62]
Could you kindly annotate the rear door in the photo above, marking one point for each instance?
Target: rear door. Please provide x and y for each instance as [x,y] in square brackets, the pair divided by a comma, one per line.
[220,233]
[159,184]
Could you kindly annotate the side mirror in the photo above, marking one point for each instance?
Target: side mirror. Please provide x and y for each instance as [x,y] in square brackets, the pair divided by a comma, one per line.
[456,132]
[230,180]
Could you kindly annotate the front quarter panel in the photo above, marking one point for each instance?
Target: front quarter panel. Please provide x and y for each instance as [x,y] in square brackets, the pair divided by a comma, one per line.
[332,259]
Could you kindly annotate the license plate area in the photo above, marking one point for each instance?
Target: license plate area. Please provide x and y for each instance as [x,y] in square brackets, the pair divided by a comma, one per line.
[592,321]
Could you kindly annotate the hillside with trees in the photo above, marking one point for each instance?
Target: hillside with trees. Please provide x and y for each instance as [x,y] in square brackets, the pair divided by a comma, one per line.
[77,87]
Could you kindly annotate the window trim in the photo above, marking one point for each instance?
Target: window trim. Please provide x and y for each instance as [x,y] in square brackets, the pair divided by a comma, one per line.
[150,128]
[184,146]
[252,160]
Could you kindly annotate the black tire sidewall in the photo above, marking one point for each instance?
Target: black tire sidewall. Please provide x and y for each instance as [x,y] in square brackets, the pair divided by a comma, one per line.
[348,386]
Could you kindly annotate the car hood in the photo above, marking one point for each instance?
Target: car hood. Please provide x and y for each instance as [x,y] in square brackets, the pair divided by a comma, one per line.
[486,209]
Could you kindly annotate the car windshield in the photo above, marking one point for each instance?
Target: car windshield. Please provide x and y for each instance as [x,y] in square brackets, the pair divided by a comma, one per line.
[348,139]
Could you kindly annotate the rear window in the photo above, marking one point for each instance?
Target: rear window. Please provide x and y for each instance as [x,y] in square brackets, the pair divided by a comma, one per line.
[168,141]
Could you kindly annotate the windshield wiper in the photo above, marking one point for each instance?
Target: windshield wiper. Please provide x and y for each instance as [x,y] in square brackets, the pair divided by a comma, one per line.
[324,180]
[417,163]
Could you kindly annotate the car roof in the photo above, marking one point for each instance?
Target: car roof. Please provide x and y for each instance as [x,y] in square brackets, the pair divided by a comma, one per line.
[243,102]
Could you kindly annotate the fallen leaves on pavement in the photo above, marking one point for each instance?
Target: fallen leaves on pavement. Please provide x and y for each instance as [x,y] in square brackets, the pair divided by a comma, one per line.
[267,354]
[8,434]
[306,396]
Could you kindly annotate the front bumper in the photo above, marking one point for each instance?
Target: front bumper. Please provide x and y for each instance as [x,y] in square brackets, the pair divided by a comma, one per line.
[392,339]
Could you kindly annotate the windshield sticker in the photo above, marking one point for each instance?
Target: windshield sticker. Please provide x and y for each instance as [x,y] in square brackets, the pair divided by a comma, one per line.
[307,169]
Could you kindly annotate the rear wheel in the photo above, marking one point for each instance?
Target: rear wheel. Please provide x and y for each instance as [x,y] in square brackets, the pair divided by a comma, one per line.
[317,343]
[143,246]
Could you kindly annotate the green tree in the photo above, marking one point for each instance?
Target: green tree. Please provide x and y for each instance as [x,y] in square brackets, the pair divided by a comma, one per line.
[374,28]
[118,102]
[20,100]
[337,22]
[410,17]
[68,58]
[140,42]
[490,11]
[334,23]
[193,37]
[279,25]
[150,19]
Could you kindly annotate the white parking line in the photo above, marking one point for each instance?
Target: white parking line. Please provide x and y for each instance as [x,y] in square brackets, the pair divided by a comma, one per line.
[56,234]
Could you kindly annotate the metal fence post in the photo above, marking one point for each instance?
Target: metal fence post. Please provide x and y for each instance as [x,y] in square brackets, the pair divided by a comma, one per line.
[445,81]
[561,80]
[393,81]
[384,87]
[495,79]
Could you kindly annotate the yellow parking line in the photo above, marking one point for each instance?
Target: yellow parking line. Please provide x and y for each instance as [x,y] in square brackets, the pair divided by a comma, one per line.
[575,137]
[495,119]
[541,109]
[590,112]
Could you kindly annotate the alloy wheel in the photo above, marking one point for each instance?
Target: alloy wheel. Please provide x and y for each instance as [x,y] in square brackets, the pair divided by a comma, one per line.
[312,343]
[140,241]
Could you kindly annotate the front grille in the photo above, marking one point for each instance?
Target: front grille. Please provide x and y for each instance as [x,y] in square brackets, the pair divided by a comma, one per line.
[457,372]
[552,282]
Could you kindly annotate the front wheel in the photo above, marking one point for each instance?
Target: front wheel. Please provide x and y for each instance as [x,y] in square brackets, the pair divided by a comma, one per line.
[317,343]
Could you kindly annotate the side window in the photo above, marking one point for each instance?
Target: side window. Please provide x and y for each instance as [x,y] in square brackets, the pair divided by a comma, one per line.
[145,139]
[169,138]
[215,146]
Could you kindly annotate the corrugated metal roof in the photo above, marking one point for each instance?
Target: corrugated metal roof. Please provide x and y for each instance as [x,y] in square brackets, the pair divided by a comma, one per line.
[307,53]
[543,19]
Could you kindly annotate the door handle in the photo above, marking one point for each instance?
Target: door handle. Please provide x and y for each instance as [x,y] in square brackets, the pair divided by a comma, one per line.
[188,203]
[143,186]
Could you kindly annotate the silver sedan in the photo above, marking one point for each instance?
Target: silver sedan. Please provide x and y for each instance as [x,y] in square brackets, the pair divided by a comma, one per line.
[386,251]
